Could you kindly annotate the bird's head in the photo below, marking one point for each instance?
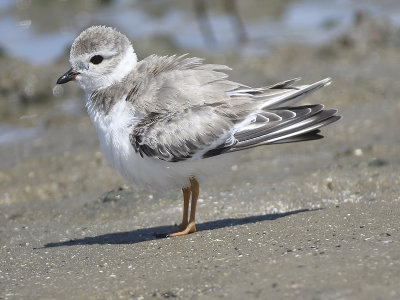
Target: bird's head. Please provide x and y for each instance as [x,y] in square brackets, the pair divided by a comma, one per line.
[100,56]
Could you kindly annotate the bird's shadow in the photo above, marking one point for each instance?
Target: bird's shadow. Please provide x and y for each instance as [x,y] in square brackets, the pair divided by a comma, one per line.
[146,234]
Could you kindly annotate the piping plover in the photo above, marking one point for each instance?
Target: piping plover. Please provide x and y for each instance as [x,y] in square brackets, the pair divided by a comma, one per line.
[173,121]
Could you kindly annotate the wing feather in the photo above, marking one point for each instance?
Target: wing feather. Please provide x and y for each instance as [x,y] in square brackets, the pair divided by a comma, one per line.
[191,110]
[187,134]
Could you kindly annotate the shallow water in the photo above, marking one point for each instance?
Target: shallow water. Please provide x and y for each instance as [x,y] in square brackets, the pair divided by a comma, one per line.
[13,133]
[41,32]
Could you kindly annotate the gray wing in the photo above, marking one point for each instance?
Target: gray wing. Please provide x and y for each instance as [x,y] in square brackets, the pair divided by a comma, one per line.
[170,83]
[207,131]
[192,111]
[186,134]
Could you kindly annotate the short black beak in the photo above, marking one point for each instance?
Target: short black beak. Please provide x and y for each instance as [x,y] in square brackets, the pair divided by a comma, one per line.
[70,75]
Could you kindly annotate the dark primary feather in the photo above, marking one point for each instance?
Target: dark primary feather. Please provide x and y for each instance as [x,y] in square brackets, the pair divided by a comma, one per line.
[305,119]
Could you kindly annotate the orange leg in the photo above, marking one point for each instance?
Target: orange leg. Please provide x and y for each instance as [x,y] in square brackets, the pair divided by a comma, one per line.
[186,198]
[191,226]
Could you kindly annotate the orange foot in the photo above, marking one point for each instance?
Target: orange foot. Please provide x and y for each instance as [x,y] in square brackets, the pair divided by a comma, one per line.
[190,228]
[186,226]
[182,230]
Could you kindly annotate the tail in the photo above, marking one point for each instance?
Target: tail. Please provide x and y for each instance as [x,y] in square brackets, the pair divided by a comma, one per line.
[282,94]
[274,122]
[285,125]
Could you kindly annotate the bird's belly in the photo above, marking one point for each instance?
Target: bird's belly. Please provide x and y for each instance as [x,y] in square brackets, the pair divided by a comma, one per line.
[154,172]
[120,154]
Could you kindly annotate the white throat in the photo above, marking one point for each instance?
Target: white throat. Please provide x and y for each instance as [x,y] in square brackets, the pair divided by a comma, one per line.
[125,66]
[90,83]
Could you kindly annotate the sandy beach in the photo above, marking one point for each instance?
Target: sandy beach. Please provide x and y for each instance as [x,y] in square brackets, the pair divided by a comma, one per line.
[312,220]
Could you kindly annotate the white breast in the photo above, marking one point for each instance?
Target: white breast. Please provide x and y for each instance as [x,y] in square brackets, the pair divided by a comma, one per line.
[113,130]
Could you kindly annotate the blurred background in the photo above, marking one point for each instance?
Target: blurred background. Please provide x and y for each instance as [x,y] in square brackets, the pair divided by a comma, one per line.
[43,126]
[65,214]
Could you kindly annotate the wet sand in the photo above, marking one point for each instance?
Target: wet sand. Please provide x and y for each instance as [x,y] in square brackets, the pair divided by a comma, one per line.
[314,220]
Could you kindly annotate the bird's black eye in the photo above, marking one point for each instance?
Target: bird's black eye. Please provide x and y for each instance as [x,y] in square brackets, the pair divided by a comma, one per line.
[96,59]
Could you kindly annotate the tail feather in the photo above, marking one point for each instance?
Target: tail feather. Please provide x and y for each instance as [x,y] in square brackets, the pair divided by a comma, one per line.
[309,136]
[275,121]
[301,131]
[280,94]
[295,94]
[287,117]
[304,125]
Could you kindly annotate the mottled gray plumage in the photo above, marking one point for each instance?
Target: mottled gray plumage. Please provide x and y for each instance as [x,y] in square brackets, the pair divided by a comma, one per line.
[188,105]
[171,121]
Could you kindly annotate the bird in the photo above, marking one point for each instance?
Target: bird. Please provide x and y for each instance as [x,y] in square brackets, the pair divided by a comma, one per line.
[172,122]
